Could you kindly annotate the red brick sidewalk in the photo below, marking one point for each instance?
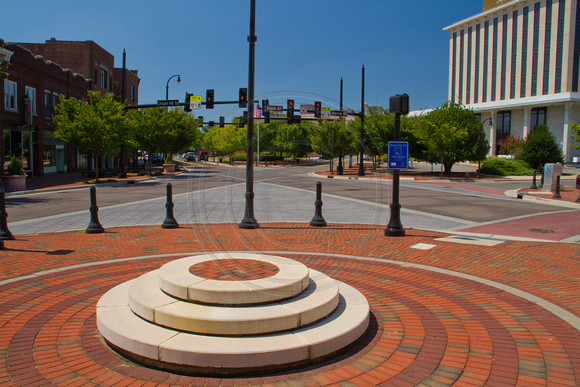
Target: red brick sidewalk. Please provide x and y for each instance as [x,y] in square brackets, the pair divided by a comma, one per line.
[472,315]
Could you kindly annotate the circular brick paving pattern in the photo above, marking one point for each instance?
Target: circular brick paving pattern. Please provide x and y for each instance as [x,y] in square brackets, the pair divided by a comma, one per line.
[234,269]
[427,328]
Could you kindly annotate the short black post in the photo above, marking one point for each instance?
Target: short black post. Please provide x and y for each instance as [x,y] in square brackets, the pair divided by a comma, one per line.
[94,226]
[1,244]
[318,219]
[542,180]
[578,181]
[169,221]
[534,186]
[557,194]
[5,234]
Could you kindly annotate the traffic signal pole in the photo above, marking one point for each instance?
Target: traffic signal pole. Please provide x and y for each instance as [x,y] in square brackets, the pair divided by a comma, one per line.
[361,168]
[249,222]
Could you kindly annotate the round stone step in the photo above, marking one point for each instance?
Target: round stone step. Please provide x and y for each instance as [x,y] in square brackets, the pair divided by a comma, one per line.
[173,350]
[198,279]
[319,299]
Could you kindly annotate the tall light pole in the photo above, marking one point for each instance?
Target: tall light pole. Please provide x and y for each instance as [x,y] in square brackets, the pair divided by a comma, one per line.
[249,221]
[361,168]
[167,86]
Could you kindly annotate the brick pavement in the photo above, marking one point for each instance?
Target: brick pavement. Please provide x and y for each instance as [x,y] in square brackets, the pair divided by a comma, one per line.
[442,313]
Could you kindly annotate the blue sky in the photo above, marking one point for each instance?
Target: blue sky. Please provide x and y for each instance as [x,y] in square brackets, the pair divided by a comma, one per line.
[304,47]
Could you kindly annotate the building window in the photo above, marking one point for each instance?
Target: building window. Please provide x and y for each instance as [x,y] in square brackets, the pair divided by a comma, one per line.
[536,42]
[494,60]
[454,67]
[576,60]
[538,117]
[468,78]
[485,59]
[31,93]
[548,37]
[514,54]
[104,78]
[502,127]
[504,34]
[461,56]
[54,102]
[560,45]
[10,96]
[132,93]
[477,47]
[47,104]
[49,155]
[524,66]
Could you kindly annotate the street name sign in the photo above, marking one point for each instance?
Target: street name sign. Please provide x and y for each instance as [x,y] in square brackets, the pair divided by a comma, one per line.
[170,102]
[398,158]
[274,108]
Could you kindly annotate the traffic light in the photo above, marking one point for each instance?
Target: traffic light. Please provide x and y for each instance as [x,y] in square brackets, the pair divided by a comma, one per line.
[267,117]
[317,109]
[244,119]
[222,121]
[211,124]
[290,111]
[209,99]
[243,99]
[265,105]
[187,108]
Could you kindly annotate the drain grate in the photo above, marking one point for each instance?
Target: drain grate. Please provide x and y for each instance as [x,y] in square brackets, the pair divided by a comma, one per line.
[541,230]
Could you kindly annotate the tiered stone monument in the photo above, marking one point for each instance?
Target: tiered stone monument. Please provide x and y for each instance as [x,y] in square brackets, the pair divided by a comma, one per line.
[231,313]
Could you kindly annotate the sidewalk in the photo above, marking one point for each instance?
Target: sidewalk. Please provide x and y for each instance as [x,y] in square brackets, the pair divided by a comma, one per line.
[442,312]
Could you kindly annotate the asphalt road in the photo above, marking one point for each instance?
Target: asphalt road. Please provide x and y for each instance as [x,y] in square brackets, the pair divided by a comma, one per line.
[473,202]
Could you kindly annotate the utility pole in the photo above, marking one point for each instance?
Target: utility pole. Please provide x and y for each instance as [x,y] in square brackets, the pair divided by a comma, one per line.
[249,221]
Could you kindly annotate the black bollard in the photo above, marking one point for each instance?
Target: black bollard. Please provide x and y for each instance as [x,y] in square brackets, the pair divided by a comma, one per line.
[5,234]
[1,244]
[318,220]
[534,186]
[542,180]
[578,181]
[94,226]
[557,194]
[169,221]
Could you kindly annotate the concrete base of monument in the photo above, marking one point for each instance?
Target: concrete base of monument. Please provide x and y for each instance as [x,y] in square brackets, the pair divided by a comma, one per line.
[228,314]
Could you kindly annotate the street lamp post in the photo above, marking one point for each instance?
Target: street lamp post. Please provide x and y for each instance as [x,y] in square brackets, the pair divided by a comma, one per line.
[167,86]
[249,221]
[361,168]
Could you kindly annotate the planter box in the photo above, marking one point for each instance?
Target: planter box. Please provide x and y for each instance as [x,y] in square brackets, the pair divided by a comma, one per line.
[14,183]
[168,168]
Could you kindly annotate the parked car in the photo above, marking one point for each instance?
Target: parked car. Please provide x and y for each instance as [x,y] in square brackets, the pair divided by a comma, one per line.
[190,156]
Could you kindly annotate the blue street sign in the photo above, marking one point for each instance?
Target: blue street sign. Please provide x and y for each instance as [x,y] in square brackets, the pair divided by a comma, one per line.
[398,155]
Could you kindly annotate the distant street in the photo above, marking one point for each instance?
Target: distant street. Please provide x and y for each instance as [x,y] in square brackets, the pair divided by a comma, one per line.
[207,193]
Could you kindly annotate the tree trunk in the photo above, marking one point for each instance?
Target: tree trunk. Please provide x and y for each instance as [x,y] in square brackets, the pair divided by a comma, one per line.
[448,167]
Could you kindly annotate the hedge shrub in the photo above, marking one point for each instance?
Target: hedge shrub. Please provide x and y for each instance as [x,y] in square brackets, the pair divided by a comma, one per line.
[505,167]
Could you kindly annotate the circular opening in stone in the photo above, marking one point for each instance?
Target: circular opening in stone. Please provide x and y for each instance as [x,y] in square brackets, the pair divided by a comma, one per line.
[234,269]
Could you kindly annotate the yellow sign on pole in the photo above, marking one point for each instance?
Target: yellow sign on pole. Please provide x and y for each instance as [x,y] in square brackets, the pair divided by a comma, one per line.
[195,102]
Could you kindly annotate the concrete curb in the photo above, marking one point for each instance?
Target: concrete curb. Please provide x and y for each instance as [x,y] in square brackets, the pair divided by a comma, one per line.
[553,202]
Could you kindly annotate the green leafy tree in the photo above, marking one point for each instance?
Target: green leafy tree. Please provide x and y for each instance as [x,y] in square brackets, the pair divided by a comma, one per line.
[448,135]
[96,125]
[180,132]
[541,148]
[150,133]
[330,137]
[576,129]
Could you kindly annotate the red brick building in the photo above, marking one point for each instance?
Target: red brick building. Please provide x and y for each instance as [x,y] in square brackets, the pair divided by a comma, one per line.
[38,74]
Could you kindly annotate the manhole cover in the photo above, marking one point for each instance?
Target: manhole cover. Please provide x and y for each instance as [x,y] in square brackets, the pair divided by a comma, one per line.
[541,230]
